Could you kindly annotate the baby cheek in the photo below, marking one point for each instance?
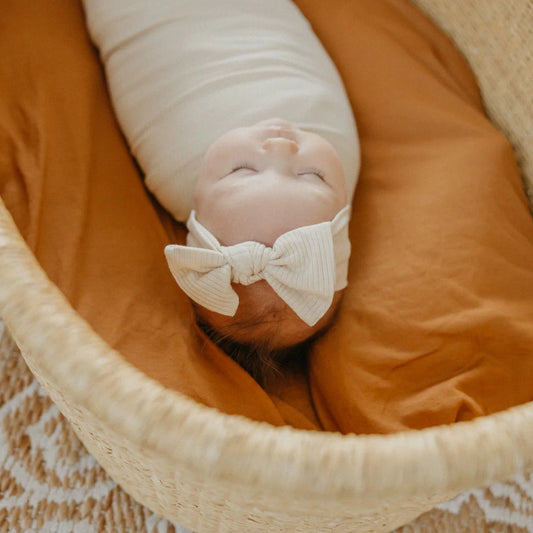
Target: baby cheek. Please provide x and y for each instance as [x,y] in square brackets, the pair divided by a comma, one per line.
[213,168]
[338,183]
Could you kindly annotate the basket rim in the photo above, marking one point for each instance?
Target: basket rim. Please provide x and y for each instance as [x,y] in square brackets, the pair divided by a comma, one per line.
[182,434]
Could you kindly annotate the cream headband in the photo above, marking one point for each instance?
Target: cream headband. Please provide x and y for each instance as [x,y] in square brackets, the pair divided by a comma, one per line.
[305,266]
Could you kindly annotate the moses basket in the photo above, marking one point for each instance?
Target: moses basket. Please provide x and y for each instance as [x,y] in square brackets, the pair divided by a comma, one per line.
[214,472]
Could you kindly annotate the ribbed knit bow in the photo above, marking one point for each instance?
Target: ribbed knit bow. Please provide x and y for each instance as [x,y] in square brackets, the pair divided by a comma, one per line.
[305,266]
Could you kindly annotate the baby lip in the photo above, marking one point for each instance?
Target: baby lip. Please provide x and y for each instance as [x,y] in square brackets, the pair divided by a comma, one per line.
[280,145]
[279,123]
[280,131]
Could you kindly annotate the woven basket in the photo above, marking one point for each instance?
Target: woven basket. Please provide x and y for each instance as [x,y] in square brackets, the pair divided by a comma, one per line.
[215,472]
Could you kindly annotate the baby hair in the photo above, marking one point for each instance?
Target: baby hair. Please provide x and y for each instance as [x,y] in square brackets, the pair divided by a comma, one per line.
[264,337]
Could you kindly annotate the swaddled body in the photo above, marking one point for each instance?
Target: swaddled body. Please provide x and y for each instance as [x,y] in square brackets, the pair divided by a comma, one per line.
[196,84]
[184,72]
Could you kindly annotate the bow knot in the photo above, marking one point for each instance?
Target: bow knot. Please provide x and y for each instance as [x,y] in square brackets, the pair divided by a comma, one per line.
[247,261]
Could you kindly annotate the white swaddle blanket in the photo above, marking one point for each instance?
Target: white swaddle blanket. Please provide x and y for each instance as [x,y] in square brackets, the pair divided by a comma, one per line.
[183,72]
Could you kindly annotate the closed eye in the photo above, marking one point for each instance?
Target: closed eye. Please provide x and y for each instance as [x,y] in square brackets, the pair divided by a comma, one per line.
[313,172]
[244,166]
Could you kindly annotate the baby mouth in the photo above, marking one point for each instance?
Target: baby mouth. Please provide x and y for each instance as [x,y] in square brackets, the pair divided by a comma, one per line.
[281,132]
[276,131]
[278,127]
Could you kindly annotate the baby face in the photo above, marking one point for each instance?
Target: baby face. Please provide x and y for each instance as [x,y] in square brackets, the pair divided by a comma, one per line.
[259,182]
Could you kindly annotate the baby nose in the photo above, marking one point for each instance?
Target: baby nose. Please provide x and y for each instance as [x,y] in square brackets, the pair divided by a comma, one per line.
[280,145]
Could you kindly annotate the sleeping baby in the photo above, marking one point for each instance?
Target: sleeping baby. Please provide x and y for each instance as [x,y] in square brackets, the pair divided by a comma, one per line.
[242,127]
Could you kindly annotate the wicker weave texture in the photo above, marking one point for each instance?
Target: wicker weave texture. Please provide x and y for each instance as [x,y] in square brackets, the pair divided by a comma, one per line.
[213,472]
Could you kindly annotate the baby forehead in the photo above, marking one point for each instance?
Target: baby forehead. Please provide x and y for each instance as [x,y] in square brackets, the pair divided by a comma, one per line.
[263,214]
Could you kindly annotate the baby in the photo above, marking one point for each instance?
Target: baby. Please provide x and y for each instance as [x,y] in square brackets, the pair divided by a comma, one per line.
[257,185]
[196,85]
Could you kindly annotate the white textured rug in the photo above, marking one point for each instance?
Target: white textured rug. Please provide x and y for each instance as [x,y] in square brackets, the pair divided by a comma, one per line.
[50,483]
